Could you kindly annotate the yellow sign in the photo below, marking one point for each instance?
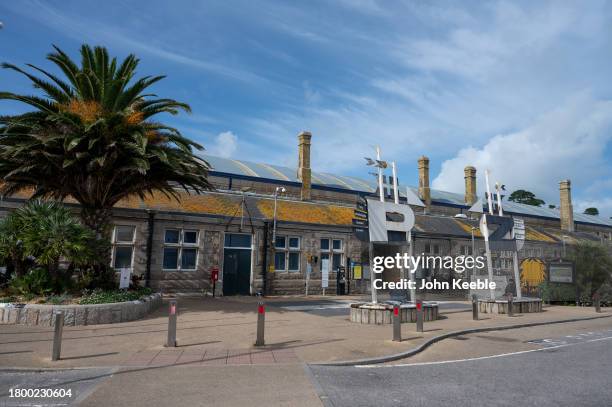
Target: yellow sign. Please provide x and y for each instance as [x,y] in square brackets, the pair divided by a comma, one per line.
[357,272]
[271,268]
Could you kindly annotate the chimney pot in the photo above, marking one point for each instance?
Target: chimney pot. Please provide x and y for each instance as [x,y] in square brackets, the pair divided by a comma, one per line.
[470,185]
[424,191]
[566,210]
[304,172]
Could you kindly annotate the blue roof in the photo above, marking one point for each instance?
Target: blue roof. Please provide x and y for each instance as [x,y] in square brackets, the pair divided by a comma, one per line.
[279,173]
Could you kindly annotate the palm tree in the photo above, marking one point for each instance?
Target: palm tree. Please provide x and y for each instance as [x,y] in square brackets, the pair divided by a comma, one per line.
[93,137]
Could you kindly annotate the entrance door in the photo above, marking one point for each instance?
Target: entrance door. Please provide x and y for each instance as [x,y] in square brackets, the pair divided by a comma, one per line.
[237,265]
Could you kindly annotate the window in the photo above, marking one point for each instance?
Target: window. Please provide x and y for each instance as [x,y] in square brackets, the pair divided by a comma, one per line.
[237,241]
[287,255]
[180,249]
[465,250]
[123,246]
[336,252]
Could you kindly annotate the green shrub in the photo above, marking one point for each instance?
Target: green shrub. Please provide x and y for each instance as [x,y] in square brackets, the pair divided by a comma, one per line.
[37,281]
[99,296]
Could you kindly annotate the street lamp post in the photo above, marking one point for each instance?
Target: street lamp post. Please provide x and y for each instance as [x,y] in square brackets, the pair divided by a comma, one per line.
[276,191]
[473,249]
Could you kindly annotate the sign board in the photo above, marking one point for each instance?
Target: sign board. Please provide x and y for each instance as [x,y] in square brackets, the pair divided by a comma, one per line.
[518,232]
[357,272]
[384,217]
[361,214]
[500,286]
[325,273]
[561,272]
[124,280]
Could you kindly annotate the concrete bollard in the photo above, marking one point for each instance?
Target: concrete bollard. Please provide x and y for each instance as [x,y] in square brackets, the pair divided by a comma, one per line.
[510,306]
[597,302]
[57,335]
[397,324]
[261,322]
[474,307]
[419,315]
[172,314]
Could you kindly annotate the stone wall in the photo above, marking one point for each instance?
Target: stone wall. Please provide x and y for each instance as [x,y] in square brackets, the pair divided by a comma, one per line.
[90,314]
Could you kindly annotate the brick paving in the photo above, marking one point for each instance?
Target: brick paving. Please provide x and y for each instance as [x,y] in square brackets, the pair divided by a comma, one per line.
[212,357]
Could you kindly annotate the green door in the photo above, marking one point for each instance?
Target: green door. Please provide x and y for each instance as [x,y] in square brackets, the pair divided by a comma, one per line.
[237,264]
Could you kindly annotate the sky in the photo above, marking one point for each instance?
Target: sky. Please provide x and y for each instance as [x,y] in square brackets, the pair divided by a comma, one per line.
[522,89]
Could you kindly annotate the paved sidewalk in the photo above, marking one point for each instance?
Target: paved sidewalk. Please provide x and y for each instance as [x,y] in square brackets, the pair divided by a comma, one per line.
[221,331]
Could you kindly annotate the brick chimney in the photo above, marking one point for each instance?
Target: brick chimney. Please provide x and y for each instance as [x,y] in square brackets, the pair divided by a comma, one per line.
[470,185]
[566,209]
[424,192]
[304,172]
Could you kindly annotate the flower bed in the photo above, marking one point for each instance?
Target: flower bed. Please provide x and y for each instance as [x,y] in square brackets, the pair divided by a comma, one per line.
[80,314]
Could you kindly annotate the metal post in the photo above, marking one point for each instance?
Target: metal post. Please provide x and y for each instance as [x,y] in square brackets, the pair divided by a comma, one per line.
[57,335]
[596,302]
[510,306]
[261,322]
[172,308]
[474,307]
[419,315]
[397,327]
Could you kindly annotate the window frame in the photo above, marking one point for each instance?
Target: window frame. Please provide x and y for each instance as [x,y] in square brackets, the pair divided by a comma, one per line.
[180,245]
[331,251]
[287,250]
[122,243]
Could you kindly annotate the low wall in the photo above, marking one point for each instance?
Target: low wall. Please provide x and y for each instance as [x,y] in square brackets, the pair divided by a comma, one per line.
[381,313]
[88,314]
[522,306]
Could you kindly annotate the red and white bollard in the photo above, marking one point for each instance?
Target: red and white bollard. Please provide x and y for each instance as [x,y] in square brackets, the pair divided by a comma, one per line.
[419,315]
[261,321]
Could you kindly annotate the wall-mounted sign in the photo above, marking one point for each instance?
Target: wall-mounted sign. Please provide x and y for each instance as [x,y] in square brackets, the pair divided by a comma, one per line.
[124,280]
[561,272]
[324,273]
[357,272]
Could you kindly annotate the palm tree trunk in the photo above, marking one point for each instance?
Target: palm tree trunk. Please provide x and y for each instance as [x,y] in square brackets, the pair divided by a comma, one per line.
[99,221]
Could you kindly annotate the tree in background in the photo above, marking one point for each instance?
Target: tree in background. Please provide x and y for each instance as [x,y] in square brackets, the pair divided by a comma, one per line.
[525,197]
[94,137]
[591,211]
[593,267]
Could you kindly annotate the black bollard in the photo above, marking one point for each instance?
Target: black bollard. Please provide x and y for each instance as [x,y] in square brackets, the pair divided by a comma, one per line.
[510,306]
[474,307]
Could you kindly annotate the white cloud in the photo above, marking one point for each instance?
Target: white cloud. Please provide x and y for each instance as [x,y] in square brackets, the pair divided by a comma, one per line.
[565,143]
[225,144]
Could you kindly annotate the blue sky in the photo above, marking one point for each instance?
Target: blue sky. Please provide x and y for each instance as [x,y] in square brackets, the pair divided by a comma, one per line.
[520,88]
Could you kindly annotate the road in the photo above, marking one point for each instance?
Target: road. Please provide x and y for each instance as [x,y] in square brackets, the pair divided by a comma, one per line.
[564,372]
[553,365]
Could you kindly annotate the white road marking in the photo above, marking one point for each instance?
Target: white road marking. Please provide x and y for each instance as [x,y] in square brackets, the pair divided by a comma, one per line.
[501,355]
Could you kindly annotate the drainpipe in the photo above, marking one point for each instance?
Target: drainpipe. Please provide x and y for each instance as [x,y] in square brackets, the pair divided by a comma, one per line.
[265,258]
[151,225]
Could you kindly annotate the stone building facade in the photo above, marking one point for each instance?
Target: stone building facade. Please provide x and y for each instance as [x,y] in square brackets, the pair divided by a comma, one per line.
[175,246]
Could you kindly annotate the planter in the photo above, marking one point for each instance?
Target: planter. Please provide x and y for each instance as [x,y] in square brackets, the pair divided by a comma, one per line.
[522,306]
[74,315]
[367,313]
